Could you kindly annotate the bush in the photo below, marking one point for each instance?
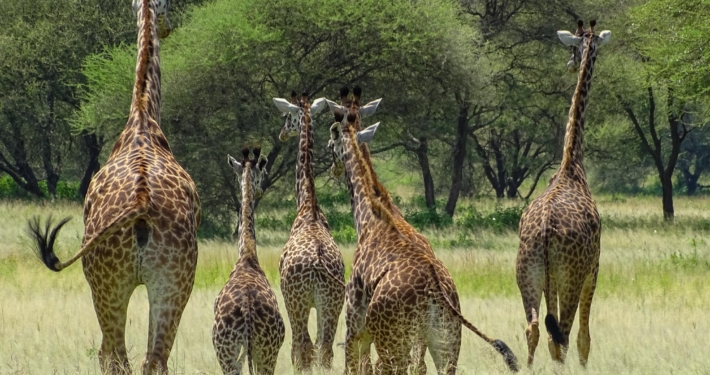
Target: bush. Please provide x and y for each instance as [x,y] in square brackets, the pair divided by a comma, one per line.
[501,218]
[428,218]
[345,235]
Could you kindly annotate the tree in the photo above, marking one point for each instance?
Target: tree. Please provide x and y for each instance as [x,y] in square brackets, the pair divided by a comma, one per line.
[223,66]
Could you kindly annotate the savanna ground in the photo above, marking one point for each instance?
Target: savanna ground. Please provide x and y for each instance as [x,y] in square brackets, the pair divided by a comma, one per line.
[650,313]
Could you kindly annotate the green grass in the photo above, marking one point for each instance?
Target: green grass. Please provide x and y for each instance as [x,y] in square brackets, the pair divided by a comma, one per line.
[650,314]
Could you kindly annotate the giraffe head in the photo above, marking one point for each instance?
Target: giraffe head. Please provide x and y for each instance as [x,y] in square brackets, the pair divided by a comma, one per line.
[294,112]
[348,102]
[582,40]
[255,168]
[160,7]
[335,144]
[349,107]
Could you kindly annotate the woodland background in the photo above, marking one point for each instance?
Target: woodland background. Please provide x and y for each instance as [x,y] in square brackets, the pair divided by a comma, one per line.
[475,97]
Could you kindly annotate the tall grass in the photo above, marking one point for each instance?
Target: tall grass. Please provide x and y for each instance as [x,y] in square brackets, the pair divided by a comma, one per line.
[651,312]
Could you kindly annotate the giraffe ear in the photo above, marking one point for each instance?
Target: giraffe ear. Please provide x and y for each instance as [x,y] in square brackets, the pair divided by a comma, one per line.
[604,37]
[334,107]
[284,106]
[318,105]
[335,131]
[569,39]
[369,108]
[366,135]
[237,166]
[262,162]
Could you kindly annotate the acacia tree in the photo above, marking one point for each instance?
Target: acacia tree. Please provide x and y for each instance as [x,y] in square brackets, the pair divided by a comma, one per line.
[230,57]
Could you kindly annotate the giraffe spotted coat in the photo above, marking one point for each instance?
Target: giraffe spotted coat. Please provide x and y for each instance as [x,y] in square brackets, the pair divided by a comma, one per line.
[311,266]
[141,214]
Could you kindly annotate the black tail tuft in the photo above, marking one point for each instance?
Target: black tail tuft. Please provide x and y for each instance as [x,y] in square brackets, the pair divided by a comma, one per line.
[554,330]
[508,355]
[44,240]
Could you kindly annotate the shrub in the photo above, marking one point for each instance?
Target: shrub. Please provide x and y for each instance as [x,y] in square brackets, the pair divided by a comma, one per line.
[428,218]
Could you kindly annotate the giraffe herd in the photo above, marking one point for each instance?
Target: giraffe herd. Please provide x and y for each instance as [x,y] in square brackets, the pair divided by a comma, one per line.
[142,212]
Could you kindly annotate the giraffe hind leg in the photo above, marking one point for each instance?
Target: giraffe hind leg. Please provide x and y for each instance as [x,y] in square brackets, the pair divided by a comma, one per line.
[301,344]
[531,279]
[111,295]
[555,340]
[329,304]
[585,304]
[167,304]
[569,300]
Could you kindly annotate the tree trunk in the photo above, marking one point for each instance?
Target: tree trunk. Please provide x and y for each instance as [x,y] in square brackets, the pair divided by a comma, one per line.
[459,158]
[667,186]
[94,144]
[691,180]
[20,170]
[423,159]
[512,192]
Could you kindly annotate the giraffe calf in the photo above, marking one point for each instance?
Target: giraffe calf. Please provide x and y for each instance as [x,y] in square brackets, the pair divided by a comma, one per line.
[247,321]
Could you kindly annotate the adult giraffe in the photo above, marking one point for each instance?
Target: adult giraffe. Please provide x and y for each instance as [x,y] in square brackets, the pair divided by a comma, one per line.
[560,230]
[141,215]
[400,296]
[311,266]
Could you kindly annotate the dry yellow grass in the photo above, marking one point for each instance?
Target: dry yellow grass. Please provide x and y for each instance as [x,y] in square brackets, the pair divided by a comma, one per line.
[650,315]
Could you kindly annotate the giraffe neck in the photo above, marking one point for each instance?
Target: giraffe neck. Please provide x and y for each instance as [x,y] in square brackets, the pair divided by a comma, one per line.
[143,126]
[247,235]
[306,200]
[572,157]
[146,92]
[365,204]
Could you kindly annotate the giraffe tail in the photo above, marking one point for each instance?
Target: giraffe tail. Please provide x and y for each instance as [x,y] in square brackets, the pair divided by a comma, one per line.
[44,239]
[325,270]
[440,295]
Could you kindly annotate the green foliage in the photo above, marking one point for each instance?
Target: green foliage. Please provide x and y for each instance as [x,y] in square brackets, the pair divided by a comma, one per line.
[65,190]
[428,218]
[500,219]
[673,35]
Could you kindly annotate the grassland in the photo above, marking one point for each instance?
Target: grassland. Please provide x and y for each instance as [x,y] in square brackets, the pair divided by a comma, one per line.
[650,314]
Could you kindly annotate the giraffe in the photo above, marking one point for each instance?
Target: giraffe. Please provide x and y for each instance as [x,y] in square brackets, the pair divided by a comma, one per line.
[560,231]
[141,214]
[400,296]
[247,320]
[311,266]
